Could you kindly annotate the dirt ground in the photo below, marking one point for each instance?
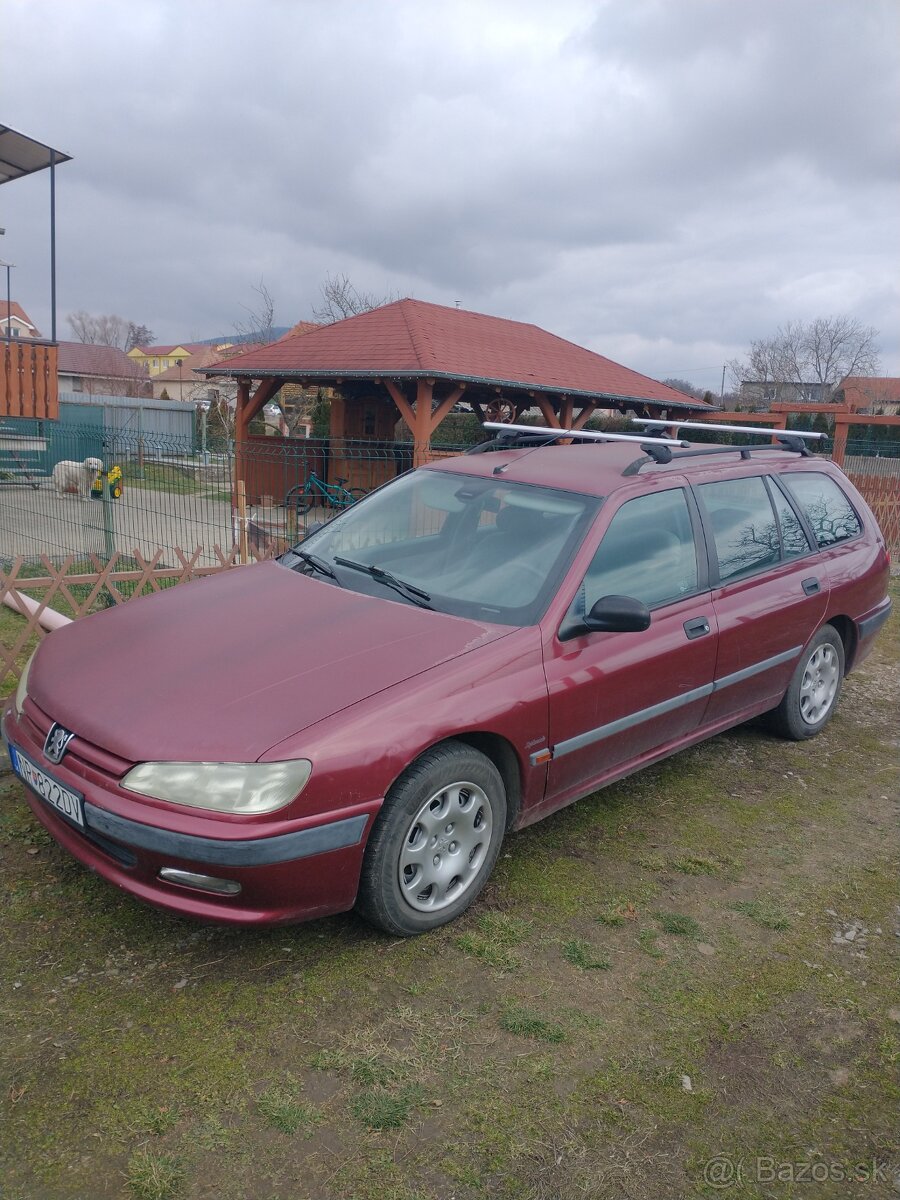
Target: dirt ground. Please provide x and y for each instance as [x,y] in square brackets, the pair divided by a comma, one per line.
[687,985]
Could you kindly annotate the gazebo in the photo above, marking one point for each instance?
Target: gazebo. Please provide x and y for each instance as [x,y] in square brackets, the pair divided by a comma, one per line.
[416,360]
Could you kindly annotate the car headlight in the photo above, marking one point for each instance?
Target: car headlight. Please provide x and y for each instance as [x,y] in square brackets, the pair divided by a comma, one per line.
[22,689]
[245,788]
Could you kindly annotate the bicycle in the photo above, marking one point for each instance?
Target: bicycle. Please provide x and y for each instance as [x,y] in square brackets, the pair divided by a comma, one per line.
[315,492]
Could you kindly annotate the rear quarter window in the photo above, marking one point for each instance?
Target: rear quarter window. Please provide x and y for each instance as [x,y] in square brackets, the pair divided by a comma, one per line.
[829,512]
[743,524]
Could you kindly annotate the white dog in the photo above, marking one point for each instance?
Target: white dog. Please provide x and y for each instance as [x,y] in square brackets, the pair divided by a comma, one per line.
[76,477]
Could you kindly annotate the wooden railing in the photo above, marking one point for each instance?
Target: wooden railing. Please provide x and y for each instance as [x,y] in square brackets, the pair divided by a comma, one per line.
[28,381]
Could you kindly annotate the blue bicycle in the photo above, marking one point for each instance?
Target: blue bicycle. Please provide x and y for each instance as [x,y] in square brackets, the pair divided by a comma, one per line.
[316,493]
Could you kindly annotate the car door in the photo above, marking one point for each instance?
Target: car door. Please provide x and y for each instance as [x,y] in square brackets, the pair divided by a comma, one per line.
[615,699]
[770,591]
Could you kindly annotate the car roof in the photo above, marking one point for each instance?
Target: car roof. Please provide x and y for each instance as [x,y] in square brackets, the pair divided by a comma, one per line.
[597,469]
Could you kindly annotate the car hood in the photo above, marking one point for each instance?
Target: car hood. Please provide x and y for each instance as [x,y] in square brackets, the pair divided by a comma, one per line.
[223,668]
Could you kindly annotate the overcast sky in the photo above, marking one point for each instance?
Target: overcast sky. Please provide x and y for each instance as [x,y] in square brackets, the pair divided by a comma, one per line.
[659,180]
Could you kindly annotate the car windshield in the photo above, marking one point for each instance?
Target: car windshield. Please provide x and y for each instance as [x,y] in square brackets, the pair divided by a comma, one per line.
[480,548]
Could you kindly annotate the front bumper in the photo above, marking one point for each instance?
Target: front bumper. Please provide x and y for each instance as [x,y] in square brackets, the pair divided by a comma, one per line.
[285,871]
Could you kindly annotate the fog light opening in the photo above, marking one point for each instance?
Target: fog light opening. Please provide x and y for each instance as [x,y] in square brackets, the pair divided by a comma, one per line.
[203,883]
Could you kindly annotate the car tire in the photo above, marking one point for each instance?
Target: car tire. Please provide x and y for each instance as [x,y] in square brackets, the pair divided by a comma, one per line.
[434,842]
[809,703]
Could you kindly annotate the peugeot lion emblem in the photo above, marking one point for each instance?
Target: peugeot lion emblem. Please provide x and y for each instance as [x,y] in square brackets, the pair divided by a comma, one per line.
[56,742]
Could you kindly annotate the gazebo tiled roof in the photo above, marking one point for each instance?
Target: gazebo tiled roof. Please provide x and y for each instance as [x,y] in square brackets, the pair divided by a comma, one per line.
[412,339]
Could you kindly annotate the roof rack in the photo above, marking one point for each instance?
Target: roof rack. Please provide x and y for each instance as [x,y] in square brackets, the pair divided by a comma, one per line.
[657,423]
[789,440]
[653,443]
[522,436]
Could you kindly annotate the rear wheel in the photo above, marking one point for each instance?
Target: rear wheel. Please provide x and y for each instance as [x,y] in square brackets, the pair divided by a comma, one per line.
[814,690]
[435,841]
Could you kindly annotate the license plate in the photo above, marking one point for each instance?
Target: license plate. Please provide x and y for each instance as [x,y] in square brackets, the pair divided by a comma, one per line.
[66,802]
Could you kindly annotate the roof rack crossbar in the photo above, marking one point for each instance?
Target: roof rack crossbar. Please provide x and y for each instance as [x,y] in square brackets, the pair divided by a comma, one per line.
[786,442]
[656,423]
[592,435]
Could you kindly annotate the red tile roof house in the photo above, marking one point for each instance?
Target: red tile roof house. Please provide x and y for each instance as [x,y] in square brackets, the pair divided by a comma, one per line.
[424,358]
[15,322]
[878,396]
[100,371]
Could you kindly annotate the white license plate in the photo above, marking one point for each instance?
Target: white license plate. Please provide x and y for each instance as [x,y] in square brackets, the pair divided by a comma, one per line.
[61,798]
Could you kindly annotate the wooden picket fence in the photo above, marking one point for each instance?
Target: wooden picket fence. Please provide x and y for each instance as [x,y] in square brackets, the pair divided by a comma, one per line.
[882,494]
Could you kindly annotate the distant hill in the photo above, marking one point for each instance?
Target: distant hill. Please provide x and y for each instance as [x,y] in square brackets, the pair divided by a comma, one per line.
[236,338]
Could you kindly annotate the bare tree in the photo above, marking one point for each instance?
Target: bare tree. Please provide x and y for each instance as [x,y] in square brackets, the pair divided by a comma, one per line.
[824,351]
[259,327]
[106,330]
[340,298]
[682,385]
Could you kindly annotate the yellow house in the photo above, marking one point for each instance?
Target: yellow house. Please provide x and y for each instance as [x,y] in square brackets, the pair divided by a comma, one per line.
[161,358]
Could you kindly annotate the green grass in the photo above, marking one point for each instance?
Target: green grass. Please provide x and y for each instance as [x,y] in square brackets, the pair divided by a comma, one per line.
[154,1176]
[647,940]
[678,924]
[525,1022]
[379,1109]
[763,912]
[160,477]
[698,864]
[281,1107]
[580,954]
[494,939]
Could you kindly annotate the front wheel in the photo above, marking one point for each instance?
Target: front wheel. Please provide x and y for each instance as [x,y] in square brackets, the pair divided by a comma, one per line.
[435,841]
[812,695]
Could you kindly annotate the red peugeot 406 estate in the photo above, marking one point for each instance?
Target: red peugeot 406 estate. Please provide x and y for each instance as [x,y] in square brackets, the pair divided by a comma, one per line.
[469,648]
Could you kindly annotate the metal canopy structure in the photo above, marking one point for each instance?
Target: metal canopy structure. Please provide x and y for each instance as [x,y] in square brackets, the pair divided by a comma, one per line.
[21,155]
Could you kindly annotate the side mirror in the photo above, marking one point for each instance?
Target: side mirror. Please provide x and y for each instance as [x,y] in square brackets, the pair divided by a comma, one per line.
[617,614]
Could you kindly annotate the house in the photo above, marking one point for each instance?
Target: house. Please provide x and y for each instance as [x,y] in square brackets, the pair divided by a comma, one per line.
[15,322]
[99,371]
[179,382]
[162,358]
[183,381]
[761,394]
[878,397]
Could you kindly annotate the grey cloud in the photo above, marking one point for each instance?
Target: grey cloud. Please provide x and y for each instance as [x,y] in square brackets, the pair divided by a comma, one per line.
[664,178]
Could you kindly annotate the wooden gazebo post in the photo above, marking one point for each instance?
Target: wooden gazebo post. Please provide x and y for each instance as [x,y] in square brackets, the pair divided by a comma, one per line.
[423,419]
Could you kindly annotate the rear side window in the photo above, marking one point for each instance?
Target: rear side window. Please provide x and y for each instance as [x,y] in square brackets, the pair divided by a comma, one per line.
[794,541]
[648,552]
[744,526]
[827,509]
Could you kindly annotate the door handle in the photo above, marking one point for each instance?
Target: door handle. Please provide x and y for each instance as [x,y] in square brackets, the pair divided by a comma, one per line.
[811,585]
[696,627]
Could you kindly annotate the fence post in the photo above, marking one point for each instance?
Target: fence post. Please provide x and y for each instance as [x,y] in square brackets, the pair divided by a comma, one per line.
[109,537]
[243,548]
[841,429]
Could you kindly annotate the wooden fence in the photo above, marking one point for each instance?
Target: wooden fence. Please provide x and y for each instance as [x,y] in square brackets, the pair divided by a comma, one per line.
[28,380]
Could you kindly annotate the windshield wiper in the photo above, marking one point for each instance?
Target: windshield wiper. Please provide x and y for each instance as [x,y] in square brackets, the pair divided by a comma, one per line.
[318,564]
[416,595]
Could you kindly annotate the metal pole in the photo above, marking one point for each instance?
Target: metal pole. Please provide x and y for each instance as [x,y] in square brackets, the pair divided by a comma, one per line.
[204,453]
[109,538]
[8,304]
[52,245]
